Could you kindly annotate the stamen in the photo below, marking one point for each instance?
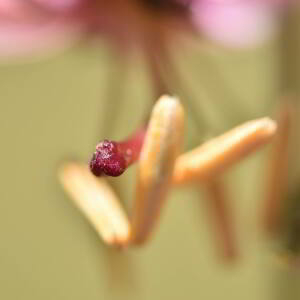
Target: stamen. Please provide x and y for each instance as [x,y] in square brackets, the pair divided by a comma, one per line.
[223,222]
[113,158]
[156,164]
[214,156]
[98,203]
[278,169]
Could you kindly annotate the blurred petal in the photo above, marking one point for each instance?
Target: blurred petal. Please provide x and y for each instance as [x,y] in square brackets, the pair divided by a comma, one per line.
[21,7]
[12,8]
[236,23]
[20,39]
[59,5]
[25,30]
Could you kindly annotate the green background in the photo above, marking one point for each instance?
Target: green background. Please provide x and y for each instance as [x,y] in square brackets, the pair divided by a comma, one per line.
[54,110]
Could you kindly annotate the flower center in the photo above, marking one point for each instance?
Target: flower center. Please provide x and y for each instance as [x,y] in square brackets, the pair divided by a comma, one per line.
[166,5]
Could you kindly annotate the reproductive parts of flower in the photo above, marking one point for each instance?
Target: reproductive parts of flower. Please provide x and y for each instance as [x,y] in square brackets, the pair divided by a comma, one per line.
[160,166]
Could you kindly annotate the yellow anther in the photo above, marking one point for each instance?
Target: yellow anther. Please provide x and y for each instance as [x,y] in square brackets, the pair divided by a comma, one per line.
[156,164]
[214,156]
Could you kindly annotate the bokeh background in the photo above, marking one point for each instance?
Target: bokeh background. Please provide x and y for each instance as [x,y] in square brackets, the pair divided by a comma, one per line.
[56,108]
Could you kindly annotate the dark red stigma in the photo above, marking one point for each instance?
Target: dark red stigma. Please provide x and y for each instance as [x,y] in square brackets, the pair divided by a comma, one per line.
[108,159]
[113,158]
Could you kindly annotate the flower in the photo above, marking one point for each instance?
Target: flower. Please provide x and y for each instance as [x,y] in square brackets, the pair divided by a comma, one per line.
[154,27]
[27,29]
[237,23]
[159,167]
[39,25]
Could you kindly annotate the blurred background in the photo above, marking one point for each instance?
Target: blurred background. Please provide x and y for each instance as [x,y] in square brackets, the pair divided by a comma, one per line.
[78,71]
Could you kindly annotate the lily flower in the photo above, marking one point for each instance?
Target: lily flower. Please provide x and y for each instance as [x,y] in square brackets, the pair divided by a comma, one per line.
[160,167]
[154,27]
[42,25]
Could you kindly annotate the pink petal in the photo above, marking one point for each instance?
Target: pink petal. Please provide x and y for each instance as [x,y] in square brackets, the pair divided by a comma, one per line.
[59,5]
[21,39]
[13,8]
[236,23]
[24,30]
